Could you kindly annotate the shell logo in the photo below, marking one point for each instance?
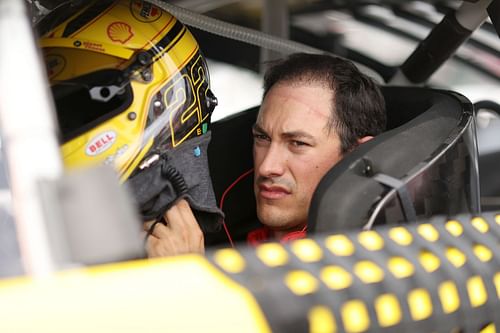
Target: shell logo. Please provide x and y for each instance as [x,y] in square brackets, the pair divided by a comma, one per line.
[100,143]
[120,32]
[144,11]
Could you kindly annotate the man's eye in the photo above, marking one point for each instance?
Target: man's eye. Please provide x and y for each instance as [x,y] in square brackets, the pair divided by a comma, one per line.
[260,137]
[297,143]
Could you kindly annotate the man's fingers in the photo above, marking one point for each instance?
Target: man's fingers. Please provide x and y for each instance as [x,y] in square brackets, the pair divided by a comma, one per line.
[147,225]
[181,234]
[180,216]
[160,247]
[159,230]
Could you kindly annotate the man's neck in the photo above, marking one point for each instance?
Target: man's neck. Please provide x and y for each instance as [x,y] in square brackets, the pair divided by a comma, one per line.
[279,234]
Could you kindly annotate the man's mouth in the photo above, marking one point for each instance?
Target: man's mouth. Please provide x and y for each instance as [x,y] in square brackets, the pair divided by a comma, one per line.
[273,192]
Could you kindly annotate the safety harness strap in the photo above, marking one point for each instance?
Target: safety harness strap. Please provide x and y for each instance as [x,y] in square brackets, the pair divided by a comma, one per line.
[404,196]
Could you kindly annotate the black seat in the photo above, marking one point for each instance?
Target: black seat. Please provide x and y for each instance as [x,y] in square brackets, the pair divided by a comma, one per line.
[230,157]
[428,150]
[425,164]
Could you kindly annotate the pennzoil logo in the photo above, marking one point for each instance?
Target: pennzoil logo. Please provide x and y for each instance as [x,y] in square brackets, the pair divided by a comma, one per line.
[55,65]
[120,32]
[144,11]
[93,46]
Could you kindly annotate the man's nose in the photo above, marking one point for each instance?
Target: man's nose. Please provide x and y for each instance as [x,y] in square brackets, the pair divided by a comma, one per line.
[273,162]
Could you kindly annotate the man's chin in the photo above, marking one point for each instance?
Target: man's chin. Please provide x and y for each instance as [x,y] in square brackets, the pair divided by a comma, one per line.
[273,217]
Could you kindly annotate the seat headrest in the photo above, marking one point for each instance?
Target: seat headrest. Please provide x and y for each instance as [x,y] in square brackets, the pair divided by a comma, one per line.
[428,149]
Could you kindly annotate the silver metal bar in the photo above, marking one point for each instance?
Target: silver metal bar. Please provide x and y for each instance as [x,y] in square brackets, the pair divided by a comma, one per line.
[432,52]
[246,35]
[28,133]
[472,15]
[203,6]
[274,21]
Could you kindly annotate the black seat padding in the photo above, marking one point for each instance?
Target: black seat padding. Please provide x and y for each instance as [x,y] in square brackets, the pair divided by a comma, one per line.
[230,156]
[429,147]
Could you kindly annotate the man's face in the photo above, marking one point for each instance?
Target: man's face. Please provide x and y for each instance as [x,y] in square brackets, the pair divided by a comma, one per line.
[293,149]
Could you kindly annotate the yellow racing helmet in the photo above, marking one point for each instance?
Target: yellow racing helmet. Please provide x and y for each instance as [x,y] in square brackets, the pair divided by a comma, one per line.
[131,87]
[115,67]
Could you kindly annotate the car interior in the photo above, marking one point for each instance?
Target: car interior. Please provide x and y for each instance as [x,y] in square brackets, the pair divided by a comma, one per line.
[76,258]
[381,182]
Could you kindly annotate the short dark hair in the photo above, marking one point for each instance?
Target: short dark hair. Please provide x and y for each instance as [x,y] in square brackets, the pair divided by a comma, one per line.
[358,107]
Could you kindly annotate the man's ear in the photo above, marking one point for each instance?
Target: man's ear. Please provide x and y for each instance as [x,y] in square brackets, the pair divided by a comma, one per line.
[364,139]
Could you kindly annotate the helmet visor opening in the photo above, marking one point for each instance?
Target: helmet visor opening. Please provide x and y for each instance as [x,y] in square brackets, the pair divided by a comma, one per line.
[87,101]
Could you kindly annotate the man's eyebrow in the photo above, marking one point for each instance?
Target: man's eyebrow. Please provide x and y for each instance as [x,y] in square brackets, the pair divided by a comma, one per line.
[286,135]
[297,135]
[257,128]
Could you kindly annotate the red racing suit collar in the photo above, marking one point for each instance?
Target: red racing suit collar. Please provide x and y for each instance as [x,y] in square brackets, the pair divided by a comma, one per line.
[264,234]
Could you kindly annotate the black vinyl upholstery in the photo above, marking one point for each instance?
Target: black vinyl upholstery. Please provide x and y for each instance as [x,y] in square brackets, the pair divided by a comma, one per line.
[429,147]
[230,156]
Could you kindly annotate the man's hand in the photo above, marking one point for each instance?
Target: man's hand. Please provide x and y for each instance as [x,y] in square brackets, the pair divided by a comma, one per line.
[181,234]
